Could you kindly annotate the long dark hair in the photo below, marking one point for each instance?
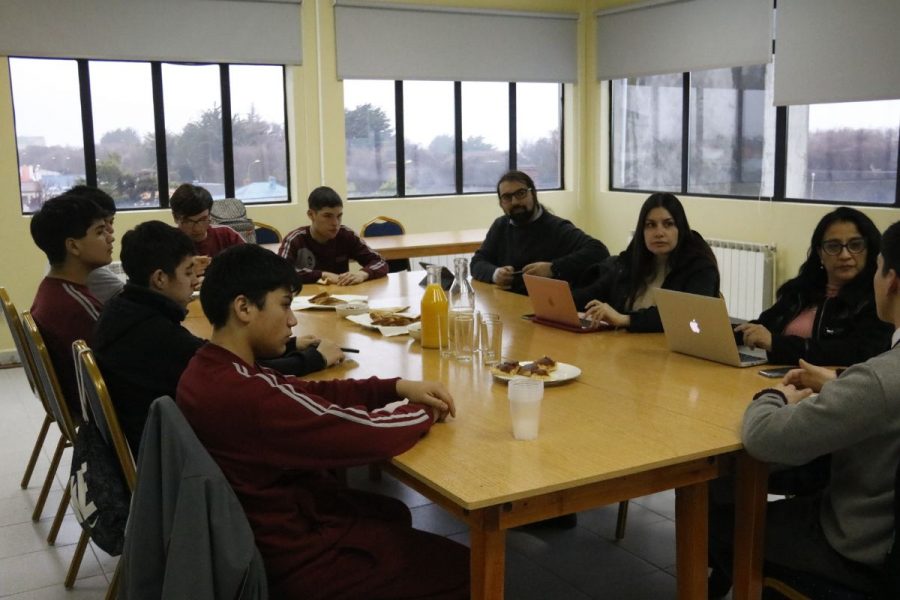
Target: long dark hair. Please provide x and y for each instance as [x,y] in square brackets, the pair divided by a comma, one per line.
[810,281]
[639,258]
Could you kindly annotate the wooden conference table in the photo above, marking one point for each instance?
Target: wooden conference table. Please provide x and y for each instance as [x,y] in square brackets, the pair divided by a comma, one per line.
[638,420]
[411,245]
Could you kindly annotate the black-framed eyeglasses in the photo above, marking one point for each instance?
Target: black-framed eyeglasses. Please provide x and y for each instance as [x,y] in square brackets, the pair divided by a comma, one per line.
[834,247]
[519,194]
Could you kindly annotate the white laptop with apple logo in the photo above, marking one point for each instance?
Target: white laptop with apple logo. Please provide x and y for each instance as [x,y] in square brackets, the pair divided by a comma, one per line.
[699,326]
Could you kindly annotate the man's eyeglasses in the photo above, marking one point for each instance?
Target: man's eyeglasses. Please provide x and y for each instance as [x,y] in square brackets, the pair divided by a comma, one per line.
[834,247]
[519,194]
[195,222]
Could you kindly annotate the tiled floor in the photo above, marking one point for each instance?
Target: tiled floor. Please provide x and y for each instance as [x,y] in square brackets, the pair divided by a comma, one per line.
[542,563]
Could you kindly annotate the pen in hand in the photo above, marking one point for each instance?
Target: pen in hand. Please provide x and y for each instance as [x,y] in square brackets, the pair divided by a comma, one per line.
[354,350]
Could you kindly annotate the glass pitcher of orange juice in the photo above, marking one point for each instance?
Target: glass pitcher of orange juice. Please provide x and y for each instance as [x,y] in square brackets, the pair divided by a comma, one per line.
[434,310]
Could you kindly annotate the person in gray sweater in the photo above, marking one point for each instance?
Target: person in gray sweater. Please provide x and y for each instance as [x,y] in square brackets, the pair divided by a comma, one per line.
[843,533]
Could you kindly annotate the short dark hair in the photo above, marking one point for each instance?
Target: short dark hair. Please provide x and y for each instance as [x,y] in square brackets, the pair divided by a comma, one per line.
[520,177]
[60,218]
[244,270]
[98,196]
[890,249]
[188,200]
[324,197]
[150,246]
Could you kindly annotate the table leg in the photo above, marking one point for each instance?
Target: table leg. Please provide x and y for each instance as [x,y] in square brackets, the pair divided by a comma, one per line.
[487,543]
[750,486]
[691,539]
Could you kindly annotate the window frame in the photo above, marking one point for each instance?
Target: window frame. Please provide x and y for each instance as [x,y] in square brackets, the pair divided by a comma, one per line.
[780,159]
[162,168]
[400,144]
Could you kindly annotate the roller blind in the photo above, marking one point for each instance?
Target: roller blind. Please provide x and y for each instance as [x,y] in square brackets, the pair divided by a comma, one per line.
[837,51]
[232,31]
[652,38]
[388,41]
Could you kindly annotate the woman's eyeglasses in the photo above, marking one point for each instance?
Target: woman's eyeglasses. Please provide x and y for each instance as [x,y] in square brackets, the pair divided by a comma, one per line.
[834,247]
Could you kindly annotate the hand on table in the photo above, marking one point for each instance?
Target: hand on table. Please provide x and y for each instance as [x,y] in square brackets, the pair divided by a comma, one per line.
[809,376]
[428,393]
[541,269]
[756,335]
[305,341]
[200,265]
[598,312]
[329,277]
[349,278]
[331,352]
[791,393]
[503,276]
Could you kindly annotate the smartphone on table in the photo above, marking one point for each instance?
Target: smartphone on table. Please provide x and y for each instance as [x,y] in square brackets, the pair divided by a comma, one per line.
[775,373]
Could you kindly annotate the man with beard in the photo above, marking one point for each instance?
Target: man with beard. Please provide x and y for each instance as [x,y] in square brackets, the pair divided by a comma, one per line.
[528,239]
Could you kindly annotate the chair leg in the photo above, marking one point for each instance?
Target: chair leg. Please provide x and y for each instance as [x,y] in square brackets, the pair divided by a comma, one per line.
[621,519]
[113,588]
[54,464]
[42,435]
[76,560]
[60,515]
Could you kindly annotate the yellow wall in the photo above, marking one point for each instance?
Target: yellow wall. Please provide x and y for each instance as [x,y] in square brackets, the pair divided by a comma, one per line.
[316,133]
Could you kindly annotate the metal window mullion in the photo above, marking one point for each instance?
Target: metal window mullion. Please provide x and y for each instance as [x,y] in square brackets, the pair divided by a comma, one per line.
[285,130]
[562,136]
[87,123]
[399,139]
[685,129]
[513,134]
[780,181]
[227,132]
[159,129]
[897,173]
[457,134]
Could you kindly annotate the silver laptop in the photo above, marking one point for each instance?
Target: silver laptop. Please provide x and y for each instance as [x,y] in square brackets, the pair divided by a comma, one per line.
[553,304]
[699,326]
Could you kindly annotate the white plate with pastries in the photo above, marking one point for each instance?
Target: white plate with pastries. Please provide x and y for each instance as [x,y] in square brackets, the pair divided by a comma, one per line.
[564,372]
[304,303]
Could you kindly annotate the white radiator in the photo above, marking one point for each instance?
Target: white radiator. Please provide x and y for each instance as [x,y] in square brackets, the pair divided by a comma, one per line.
[748,276]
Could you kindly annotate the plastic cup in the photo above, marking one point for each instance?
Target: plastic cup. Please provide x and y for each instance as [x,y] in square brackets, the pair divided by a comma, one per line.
[525,397]
[491,339]
[464,325]
[445,346]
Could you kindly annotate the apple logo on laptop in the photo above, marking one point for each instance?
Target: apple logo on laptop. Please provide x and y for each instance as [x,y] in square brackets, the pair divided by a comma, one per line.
[695,326]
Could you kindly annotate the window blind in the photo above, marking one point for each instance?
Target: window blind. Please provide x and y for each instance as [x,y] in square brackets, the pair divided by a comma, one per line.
[672,36]
[392,41]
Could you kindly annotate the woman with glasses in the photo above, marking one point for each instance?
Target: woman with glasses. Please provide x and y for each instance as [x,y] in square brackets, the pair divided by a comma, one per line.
[665,252]
[826,314]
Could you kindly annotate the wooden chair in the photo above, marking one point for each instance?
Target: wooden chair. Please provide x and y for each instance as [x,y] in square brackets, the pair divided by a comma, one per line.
[14,321]
[57,404]
[95,397]
[380,226]
[266,234]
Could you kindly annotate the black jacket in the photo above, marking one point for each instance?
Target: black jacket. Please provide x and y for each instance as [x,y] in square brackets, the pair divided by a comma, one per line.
[846,330]
[142,349]
[610,282]
[547,238]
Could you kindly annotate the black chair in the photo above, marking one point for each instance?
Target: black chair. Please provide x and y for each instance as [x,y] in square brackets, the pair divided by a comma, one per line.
[380,226]
[266,234]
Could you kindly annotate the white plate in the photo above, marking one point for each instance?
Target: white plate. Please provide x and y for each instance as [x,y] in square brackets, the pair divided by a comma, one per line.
[564,372]
[365,320]
[303,303]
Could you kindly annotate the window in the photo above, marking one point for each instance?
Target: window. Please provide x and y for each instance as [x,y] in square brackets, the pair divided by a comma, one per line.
[844,153]
[139,129]
[839,152]
[48,131]
[414,138]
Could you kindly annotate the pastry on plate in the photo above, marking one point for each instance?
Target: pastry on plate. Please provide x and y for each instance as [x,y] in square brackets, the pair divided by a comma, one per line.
[507,369]
[326,299]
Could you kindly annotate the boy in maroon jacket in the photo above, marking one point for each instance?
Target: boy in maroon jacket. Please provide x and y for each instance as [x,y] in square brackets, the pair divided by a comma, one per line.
[275,437]
[323,249]
[72,231]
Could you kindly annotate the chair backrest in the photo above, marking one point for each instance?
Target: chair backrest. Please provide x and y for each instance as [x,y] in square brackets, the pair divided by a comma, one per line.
[382,226]
[18,336]
[47,376]
[266,234]
[95,398]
